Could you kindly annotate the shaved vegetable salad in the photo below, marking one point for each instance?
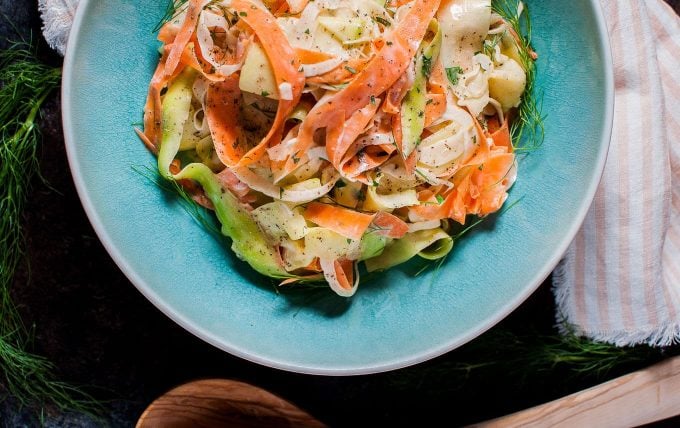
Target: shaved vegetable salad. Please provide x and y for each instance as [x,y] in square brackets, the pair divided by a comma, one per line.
[325,133]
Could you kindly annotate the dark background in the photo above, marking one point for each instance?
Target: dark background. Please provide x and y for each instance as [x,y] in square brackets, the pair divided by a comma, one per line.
[102,333]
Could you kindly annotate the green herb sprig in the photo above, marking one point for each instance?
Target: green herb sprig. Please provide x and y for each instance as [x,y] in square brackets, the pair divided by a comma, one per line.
[172,10]
[528,129]
[25,84]
[200,215]
[524,358]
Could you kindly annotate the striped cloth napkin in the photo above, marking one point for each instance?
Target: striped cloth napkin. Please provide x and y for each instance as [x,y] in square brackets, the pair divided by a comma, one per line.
[57,16]
[619,281]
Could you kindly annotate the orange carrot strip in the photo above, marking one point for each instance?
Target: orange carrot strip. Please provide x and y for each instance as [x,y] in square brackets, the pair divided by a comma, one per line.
[168,33]
[314,266]
[397,132]
[437,83]
[301,278]
[336,147]
[390,225]
[365,160]
[146,141]
[298,7]
[184,35]
[492,124]
[307,56]
[281,9]
[284,62]
[344,272]
[436,105]
[458,209]
[396,94]
[478,190]
[501,137]
[378,76]
[341,74]
[387,148]
[492,182]
[152,108]
[222,113]
[435,108]
[348,223]
[410,163]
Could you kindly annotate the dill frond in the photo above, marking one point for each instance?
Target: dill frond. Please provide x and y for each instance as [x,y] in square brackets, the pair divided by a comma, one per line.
[526,359]
[25,84]
[193,208]
[528,129]
[173,9]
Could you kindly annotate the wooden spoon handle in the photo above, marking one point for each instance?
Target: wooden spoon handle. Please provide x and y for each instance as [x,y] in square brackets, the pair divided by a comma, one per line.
[221,402]
[635,399]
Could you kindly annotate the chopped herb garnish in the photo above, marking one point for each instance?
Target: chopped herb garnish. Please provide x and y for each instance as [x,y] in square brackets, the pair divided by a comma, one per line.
[351,69]
[372,99]
[243,13]
[453,73]
[427,65]
[264,93]
[489,46]
[440,199]
[381,20]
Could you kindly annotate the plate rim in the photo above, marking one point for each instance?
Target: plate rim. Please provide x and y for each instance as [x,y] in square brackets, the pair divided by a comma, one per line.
[428,354]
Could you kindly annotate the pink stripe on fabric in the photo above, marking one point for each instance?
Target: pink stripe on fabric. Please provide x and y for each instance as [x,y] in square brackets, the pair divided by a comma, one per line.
[671,272]
[592,308]
[652,230]
[673,268]
[674,152]
[667,28]
[618,47]
[672,135]
[662,19]
[599,212]
[674,238]
[672,87]
[580,279]
[676,200]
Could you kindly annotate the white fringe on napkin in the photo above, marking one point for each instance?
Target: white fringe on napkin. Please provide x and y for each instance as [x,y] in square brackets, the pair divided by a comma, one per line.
[620,279]
[57,16]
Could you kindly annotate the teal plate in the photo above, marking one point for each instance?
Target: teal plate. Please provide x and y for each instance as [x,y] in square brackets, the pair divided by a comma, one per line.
[396,319]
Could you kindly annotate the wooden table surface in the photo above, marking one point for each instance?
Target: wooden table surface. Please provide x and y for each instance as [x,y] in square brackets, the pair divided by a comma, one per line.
[98,330]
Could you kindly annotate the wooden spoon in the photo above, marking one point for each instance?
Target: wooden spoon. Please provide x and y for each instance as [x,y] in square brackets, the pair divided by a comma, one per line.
[223,403]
